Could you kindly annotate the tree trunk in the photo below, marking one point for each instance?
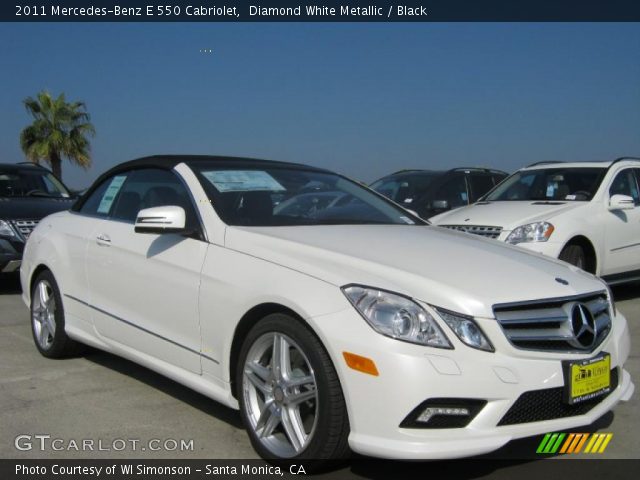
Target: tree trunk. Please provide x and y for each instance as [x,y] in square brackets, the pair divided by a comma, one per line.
[56,165]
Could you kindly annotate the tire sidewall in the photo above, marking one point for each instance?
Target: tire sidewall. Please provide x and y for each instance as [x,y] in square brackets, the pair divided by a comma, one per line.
[573,254]
[59,339]
[309,343]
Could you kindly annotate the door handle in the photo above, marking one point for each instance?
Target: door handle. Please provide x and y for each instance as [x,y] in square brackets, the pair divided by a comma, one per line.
[103,240]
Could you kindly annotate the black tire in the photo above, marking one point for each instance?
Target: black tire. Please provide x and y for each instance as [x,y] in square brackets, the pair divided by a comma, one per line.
[575,255]
[327,442]
[58,345]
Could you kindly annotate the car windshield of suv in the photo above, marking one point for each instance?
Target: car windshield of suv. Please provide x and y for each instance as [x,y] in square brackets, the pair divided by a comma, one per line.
[549,184]
[405,188]
[280,196]
[31,183]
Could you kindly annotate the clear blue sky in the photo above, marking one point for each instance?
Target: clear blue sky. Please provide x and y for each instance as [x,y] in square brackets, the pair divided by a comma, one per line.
[363,99]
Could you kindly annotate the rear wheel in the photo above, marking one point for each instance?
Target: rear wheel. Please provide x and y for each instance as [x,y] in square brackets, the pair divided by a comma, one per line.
[290,397]
[575,255]
[47,319]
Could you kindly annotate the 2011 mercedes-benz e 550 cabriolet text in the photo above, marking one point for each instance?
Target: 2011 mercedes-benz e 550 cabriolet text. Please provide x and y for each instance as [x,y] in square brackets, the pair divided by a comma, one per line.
[333,325]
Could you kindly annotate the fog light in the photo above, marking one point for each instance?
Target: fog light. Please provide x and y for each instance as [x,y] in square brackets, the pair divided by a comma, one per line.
[444,413]
[433,411]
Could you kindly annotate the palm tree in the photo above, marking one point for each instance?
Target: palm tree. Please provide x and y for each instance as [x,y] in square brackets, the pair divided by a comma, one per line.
[59,130]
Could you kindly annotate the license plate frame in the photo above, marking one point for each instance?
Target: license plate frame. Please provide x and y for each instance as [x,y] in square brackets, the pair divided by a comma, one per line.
[586,379]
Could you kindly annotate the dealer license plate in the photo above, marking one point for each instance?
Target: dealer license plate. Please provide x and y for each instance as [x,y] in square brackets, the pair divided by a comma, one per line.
[587,379]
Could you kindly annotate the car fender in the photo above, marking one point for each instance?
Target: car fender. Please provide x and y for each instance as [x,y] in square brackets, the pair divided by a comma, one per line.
[581,222]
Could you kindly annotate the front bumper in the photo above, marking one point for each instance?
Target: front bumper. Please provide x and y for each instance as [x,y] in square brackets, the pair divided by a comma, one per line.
[410,374]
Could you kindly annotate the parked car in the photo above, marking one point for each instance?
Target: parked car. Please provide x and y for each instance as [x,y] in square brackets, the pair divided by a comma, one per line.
[28,192]
[586,213]
[430,192]
[374,332]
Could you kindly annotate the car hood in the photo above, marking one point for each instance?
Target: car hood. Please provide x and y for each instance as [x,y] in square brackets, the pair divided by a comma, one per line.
[32,208]
[444,268]
[507,215]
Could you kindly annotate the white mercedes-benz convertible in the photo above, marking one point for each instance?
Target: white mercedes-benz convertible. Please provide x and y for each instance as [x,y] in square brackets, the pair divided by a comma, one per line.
[329,316]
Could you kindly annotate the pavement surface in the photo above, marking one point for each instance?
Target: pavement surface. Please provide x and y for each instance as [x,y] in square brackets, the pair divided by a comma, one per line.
[106,399]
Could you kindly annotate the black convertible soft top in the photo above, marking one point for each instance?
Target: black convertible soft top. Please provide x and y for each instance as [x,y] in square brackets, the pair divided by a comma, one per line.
[167,162]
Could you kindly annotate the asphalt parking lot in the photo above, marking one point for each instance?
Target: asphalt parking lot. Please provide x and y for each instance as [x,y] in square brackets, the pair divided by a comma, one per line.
[100,396]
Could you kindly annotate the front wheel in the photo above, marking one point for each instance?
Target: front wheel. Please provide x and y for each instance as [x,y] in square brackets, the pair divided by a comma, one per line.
[47,319]
[575,255]
[290,398]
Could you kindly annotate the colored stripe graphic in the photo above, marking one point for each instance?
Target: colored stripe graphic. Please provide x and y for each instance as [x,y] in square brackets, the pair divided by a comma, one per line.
[543,443]
[606,442]
[574,443]
[581,443]
[550,443]
[568,442]
[592,440]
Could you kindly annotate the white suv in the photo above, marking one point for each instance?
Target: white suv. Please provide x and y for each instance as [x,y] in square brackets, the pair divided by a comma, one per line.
[586,213]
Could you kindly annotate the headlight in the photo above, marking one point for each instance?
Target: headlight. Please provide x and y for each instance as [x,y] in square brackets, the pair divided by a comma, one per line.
[466,330]
[531,232]
[396,316]
[6,230]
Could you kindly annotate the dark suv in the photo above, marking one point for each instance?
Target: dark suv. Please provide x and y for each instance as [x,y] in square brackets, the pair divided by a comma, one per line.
[28,193]
[430,192]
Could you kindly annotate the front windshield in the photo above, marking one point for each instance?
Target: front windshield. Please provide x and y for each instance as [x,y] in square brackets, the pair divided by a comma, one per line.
[549,184]
[30,183]
[404,188]
[281,196]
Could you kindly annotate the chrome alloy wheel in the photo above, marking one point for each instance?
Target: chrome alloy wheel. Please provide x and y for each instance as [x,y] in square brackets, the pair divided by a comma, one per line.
[280,394]
[43,314]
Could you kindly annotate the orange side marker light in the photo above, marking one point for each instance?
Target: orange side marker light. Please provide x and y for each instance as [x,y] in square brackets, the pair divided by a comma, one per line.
[360,364]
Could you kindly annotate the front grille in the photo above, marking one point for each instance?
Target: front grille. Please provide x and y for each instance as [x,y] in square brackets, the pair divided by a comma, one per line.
[554,325]
[547,404]
[482,230]
[25,227]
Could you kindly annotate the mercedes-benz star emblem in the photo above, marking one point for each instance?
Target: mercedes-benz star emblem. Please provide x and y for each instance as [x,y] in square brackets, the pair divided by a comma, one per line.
[584,327]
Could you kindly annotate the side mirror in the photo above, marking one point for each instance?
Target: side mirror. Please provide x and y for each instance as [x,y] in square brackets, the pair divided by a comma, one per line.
[440,205]
[621,202]
[169,219]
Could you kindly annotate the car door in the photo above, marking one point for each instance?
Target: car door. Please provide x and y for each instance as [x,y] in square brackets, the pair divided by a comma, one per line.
[144,287]
[622,227]
[77,229]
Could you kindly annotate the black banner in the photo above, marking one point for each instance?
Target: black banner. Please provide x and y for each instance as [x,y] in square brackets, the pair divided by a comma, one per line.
[359,467]
[320,11]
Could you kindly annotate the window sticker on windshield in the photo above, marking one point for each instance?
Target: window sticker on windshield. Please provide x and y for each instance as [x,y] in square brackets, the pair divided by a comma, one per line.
[407,220]
[110,194]
[464,196]
[408,200]
[550,190]
[243,181]
[570,197]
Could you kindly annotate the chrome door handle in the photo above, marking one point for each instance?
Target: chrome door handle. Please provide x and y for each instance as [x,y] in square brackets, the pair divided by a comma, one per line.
[103,239]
